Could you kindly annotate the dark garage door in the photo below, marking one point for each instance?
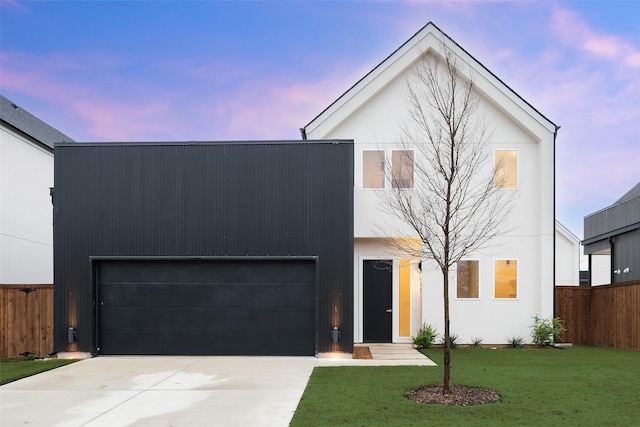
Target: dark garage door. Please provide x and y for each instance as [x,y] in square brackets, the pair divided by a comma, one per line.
[206,307]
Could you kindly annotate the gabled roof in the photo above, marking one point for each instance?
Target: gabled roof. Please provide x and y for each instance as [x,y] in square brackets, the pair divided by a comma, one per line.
[566,232]
[413,44]
[30,125]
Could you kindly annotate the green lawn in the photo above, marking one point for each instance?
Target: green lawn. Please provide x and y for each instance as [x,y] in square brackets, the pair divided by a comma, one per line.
[575,386]
[14,369]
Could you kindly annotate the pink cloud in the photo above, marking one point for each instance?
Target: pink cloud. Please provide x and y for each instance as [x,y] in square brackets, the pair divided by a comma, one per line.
[14,4]
[571,28]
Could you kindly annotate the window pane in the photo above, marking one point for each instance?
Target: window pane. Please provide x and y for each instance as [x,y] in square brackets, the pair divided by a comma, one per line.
[402,169]
[506,169]
[373,169]
[506,272]
[467,279]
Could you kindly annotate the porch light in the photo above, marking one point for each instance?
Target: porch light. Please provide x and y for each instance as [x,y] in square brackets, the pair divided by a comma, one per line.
[335,335]
[71,335]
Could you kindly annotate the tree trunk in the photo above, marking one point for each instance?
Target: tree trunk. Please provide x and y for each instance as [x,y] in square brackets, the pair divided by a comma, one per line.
[446,384]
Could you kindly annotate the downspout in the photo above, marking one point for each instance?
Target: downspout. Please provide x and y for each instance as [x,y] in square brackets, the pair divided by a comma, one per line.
[555,135]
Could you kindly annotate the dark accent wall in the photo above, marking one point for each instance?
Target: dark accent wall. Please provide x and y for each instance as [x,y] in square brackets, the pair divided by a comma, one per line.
[203,200]
[616,230]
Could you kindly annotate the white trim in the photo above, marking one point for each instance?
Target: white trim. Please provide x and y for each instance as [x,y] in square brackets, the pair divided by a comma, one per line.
[456,298]
[517,279]
[517,150]
[360,181]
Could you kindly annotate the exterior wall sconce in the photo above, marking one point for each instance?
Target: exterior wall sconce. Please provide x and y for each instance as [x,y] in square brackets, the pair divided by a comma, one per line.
[71,335]
[335,335]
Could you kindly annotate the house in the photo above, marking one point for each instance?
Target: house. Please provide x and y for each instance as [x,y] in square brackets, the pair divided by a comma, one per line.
[509,281]
[212,248]
[26,174]
[612,240]
[567,266]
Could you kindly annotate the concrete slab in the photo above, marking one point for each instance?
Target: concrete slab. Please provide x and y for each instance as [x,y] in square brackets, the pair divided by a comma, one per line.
[176,391]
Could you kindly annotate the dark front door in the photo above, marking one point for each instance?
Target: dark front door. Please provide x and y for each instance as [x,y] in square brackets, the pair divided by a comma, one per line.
[377,284]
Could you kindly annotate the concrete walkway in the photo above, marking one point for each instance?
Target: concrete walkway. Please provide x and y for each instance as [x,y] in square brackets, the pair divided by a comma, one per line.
[175,391]
[383,355]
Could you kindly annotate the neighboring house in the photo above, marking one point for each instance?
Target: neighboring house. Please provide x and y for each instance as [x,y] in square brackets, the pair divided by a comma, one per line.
[567,257]
[204,248]
[612,240]
[509,281]
[26,174]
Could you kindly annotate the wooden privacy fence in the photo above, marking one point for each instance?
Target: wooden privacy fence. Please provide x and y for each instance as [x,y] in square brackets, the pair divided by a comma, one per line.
[601,316]
[26,320]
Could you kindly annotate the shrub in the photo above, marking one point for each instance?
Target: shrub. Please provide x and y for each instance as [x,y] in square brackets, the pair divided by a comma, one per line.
[476,342]
[453,339]
[515,342]
[546,331]
[425,337]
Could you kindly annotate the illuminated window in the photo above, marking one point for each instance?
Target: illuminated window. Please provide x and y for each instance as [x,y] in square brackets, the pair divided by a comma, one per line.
[373,169]
[402,169]
[467,279]
[506,278]
[506,169]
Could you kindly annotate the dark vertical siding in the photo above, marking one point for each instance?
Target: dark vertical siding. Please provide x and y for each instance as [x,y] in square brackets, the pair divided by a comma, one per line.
[626,256]
[203,199]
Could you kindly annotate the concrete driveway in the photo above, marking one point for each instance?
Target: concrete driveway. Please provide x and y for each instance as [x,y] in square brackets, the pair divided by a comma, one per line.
[160,391]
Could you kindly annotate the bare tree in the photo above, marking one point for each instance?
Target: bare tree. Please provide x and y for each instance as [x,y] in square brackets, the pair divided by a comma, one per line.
[455,205]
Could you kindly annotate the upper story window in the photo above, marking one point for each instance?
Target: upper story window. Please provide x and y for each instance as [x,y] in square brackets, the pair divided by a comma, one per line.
[467,278]
[506,278]
[506,162]
[373,169]
[402,169]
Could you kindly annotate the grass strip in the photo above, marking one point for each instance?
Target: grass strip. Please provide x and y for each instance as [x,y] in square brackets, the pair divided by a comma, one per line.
[15,369]
[574,386]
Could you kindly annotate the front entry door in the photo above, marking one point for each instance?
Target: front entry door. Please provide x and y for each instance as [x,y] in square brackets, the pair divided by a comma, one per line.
[377,304]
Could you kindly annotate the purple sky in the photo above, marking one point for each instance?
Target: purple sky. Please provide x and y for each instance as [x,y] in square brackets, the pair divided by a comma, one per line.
[204,70]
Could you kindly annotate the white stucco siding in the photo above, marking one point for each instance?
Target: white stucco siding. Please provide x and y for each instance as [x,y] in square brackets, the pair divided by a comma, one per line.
[26,234]
[376,125]
[492,319]
[567,260]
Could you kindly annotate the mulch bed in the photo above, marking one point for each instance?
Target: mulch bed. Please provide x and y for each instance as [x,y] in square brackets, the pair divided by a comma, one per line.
[460,395]
[361,353]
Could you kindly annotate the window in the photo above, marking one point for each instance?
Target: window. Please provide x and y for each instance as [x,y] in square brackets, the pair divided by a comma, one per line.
[506,278]
[506,175]
[467,279]
[402,169]
[373,169]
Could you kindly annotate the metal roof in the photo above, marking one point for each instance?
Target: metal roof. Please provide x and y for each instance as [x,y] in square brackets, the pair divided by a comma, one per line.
[634,192]
[30,125]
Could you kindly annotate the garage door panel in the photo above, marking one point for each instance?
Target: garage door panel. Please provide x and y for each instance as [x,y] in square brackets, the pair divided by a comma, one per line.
[207,307]
[206,294]
[234,271]
[198,344]
[237,319]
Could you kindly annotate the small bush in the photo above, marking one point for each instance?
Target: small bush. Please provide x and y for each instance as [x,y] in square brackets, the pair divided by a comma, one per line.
[476,342]
[515,342]
[425,337]
[546,331]
[453,339]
